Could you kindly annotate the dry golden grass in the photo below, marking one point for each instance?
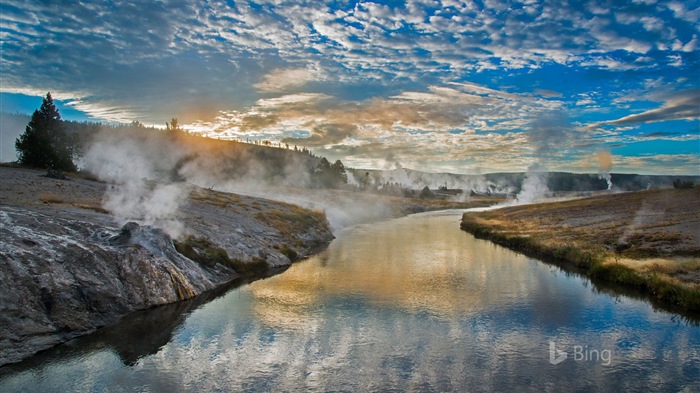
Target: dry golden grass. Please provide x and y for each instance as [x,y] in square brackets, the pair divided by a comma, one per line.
[667,266]
[50,198]
[648,239]
[98,209]
[216,198]
[291,220]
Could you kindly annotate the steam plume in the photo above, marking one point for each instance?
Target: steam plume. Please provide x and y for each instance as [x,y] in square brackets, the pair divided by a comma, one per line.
[139,170]
[534,185]
[605,164]
[151,175]
[547,135]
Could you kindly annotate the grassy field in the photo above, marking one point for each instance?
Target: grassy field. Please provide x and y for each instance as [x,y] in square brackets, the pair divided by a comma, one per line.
[649,240]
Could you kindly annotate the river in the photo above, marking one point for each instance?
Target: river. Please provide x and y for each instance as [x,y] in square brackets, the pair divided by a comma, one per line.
[411,304]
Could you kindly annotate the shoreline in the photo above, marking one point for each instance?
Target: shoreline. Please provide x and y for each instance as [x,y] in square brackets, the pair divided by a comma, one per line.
[78,272]
[69,268]
[607,239]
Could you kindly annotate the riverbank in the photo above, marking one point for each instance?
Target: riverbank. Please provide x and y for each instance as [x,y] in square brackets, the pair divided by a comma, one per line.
[648,240]
[67,267]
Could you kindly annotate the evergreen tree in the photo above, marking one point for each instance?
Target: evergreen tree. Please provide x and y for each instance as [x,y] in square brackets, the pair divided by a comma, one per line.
[44,143]
[173,125]
[338,170]
[426,193]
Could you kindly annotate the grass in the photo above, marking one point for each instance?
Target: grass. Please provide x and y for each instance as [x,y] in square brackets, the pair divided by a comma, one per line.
[288,252]
[78,174]
[636,244]
[206,253]
[292,219]
[660,286]
[50,198]
[220,199]
[97,209]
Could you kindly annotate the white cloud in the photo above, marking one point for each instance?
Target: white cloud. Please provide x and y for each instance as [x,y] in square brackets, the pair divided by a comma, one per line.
[585,101]
[675,60]
[280,80]
[371,72]
[681,105]
[609,63]
[681,12]
[691,45]
[291,99]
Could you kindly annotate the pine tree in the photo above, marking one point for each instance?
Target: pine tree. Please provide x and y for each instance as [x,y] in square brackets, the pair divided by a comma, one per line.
[173,125]
[44,143]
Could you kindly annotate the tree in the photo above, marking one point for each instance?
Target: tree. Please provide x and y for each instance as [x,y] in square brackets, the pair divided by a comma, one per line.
[338,170]
[44,143]
[327,175]
[426,193]
[173,125]
[678,183]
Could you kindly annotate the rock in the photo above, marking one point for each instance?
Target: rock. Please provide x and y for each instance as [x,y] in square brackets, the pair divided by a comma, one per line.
[67,269]
[124,237]
[64,283]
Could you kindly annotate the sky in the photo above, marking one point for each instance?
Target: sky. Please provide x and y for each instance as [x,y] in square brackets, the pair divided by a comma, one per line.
[442,86]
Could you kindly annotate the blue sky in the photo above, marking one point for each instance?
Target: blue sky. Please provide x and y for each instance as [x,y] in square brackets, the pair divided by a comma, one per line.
[457,86]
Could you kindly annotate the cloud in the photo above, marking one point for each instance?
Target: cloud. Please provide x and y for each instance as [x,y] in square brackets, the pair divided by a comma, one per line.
[363,74]
[684,105]
[548,93]
[438,109]
[548,134]
[681,12]
[669,164]
[325,134]
[217,41]
[281,80]
[414,127]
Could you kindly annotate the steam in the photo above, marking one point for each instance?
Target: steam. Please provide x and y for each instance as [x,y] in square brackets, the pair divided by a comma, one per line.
[645,211]
[151,174]
[416,180]
[342,209]
[140,171]
[534,185]
[605,164]
[547,135]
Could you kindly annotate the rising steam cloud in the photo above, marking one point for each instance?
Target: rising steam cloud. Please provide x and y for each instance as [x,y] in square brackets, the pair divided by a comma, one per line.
[605,164]
[139,170]
[150,176]
[547,134]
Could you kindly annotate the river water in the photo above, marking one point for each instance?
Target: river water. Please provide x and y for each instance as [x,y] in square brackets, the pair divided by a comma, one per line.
[412,304]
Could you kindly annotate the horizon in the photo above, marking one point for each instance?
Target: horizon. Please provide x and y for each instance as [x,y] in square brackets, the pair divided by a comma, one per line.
[2,161]
[463,87]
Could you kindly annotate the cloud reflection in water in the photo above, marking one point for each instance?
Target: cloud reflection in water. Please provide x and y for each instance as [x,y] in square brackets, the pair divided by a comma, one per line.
[410,304]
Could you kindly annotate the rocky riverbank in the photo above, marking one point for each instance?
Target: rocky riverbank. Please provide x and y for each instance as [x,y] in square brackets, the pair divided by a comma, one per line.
[648,240]
[67,267]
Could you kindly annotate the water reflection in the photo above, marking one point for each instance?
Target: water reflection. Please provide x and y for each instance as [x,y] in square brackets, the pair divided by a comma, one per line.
[408,305]
[445,273]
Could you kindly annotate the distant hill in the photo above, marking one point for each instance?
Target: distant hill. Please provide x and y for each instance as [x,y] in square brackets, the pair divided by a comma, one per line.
[208,162]
[179,155]
[510,183]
